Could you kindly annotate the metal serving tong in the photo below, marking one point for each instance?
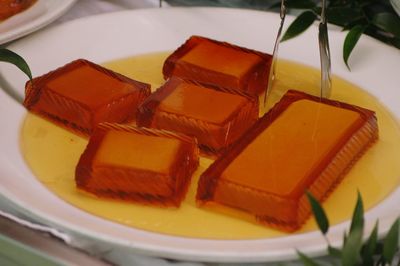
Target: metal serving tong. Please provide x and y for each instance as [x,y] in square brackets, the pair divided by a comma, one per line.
[324,52]
[325,55]
[272,71]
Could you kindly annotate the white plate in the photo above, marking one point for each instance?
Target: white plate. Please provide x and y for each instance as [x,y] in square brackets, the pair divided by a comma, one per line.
[101,38]
[42,13]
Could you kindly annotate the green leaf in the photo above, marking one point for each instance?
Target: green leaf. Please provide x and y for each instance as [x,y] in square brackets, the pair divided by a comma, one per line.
[13,58]
[391,242]
[307,261]
[351,249]
[299,25]
[300,4]
[334,252]
[369,248]
[388,22]
[351,24]
[343,15]
[357,222]
[318,10]
[350,42]
[319,213]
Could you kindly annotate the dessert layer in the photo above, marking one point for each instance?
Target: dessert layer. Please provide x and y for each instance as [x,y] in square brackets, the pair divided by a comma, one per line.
[82,94]
[129,150]
[216,118]
[137,164]
[302,144]
[220,64]
[294,147]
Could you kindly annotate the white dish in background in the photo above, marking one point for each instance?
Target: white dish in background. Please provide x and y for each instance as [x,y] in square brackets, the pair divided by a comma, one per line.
[116,35]
[42,13]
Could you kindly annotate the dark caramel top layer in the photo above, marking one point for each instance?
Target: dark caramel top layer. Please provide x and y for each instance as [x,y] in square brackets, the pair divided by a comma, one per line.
[87,85]
[210,55]
[289,147]
[220,64]
[131,150]
[282,158]
[201,103]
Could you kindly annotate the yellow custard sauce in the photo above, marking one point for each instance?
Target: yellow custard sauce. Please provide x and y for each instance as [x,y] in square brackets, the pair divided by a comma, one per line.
[52,153]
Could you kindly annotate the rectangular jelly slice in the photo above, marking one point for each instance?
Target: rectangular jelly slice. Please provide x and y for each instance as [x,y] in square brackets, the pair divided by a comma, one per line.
[302,144]
[215,118]
[82,94]
[137,164]
[220,64]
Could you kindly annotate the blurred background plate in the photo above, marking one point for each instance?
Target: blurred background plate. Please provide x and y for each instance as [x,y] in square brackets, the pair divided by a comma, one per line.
[42,13]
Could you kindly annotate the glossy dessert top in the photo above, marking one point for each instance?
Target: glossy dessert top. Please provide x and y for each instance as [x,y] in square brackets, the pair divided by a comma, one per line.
[131,150]
[220,58]
[219,64]
[200,102]
[85,83]
[88,85]
[82,94]
[143,165]
[293,148]
[216,118]
[287,148]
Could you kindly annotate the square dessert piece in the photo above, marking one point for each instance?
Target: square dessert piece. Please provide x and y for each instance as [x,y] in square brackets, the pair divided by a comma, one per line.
[303,143]
[82,94]
[137,164]
[215,118]
[220,64]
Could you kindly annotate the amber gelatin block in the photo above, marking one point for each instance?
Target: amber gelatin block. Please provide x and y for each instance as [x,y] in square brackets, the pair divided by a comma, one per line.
[137,164]
[220,64]
[302,144]
[82,94]
[215,118]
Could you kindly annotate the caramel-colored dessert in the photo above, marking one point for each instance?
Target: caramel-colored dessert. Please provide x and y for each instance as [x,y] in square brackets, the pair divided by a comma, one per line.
[215,118]
[375,175]
[302,144]
[220,64]
[82,94]
[137,164]
[9,8]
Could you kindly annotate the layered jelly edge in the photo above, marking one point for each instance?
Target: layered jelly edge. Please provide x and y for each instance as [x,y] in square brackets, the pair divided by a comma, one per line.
[148,108]
[190,43]
[329,177]
[34,90]
[179,179]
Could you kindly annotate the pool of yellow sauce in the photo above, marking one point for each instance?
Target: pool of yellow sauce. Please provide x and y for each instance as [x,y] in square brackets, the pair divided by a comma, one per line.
[52,153]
